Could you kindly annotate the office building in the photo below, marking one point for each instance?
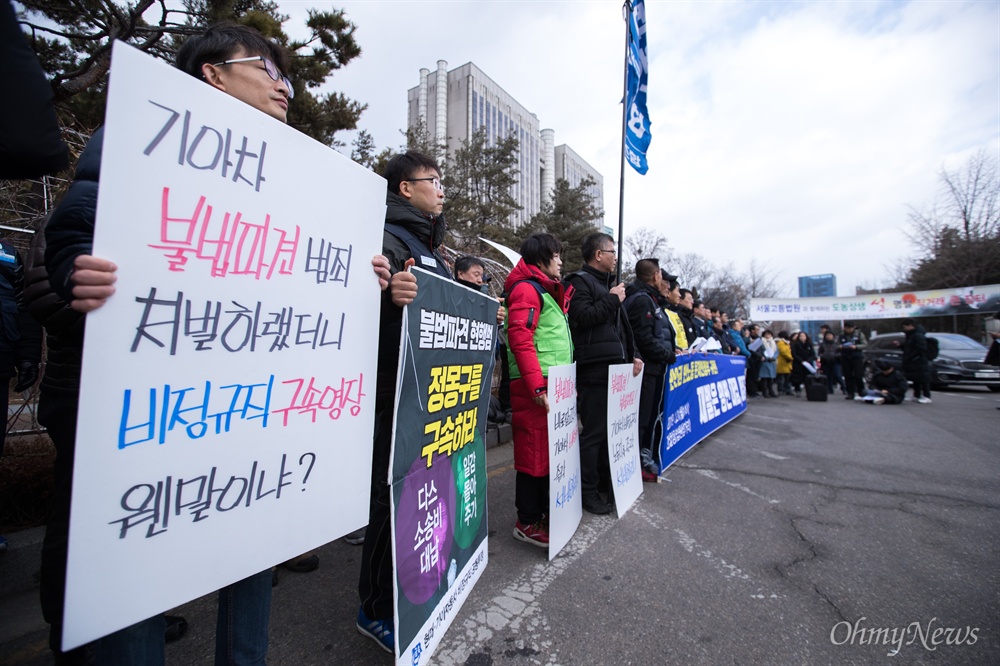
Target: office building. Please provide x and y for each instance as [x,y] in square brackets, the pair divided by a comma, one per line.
[816,286]
[454,104]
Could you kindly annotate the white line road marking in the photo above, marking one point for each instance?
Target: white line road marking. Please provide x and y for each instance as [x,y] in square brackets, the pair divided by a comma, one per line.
[772,456]
[763,416]
[688,543]
[518,605]
[712,475]
[750,427]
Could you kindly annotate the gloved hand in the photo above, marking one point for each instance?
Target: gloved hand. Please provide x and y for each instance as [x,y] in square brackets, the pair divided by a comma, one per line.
[27,375]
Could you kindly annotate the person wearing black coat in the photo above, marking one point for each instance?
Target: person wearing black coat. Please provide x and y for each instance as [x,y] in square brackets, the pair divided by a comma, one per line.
[802,352]
[916,366]
[649,325]
[31,144]
[602,337]
[888,385]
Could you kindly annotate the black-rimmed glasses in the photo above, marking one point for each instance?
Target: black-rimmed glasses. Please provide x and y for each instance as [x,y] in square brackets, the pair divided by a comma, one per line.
[436,182]
[269,67]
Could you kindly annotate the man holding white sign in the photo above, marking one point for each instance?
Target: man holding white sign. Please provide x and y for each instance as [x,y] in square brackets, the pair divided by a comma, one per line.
[242,63]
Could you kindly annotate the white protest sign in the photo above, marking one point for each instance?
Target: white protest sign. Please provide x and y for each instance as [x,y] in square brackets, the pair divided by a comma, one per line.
[228,386]
[565,500]
[623,435]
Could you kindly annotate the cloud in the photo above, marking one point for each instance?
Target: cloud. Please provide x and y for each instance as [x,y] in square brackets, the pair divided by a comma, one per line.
[796,133]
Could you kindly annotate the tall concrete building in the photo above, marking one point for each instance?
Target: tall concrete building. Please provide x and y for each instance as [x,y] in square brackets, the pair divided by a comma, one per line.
[455,104]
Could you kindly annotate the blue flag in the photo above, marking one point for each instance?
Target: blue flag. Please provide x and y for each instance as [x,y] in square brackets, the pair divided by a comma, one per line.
[637,134]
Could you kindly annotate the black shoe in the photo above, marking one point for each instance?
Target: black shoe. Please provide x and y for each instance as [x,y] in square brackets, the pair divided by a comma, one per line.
[176,627]
[302,564]
[357,537]
[849,396]
[594,504]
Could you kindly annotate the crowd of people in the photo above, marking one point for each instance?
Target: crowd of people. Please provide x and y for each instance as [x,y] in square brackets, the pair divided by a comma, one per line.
[549,319]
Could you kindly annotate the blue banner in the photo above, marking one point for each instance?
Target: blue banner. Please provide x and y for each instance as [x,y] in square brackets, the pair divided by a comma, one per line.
[703,392]
[637,134]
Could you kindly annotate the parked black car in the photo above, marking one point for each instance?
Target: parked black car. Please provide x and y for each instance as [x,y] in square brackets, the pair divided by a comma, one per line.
[959,360]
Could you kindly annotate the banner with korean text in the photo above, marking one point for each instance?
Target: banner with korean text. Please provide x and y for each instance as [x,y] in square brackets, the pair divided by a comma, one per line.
[962,300]
[565,499]
[623,435]
[703,393]
[438,463]
[227,387]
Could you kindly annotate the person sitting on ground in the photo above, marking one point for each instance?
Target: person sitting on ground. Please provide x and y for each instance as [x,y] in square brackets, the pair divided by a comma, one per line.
[888,385]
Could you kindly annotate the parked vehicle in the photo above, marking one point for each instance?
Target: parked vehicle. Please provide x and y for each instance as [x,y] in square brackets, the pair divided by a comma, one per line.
[959,360]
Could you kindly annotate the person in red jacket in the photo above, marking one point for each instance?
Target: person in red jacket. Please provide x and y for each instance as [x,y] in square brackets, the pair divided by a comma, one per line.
[538,338]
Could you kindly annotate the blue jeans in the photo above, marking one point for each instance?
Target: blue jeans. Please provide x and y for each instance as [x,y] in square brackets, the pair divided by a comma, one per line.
[240,632]
[241,629]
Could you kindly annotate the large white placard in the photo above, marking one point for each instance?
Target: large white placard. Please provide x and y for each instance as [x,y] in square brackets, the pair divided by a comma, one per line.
[623,435]
[228,386]
[565,499]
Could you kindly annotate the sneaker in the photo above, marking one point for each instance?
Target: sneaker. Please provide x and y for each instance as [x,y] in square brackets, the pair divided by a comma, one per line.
[536,534]
[878,401]
[924,401]
[357,537]
[380,631]
[594,504]
[859,398]
[849,396]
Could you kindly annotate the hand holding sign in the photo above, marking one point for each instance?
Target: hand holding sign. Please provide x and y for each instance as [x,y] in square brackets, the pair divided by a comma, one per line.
[93,281]
[403,285]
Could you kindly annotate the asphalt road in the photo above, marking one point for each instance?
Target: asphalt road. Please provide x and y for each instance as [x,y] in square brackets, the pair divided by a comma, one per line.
[792,536]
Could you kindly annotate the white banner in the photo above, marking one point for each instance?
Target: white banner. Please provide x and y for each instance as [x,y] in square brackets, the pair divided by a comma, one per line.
[964,300]
[228,386]
[623,435]
[565,500]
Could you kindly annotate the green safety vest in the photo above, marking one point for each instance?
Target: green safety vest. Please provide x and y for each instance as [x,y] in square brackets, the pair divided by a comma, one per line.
[553,343]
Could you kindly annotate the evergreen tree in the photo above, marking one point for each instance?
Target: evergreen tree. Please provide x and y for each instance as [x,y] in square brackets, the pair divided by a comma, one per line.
[73,41]
[478,184]
[569,216]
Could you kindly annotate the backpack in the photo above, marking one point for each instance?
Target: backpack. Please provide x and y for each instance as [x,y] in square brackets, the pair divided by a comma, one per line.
[932,348]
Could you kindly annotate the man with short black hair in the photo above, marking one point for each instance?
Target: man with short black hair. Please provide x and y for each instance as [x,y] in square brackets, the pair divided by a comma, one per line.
[852,344]
[601,337]
[649,328]
[916,366]
[471,272]
[414,229]
[670,290]
[239,61]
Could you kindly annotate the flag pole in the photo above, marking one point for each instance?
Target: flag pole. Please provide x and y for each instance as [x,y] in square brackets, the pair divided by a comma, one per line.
[627,15]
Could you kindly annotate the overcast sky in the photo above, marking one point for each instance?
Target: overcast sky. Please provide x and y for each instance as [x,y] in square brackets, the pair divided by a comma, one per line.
[796,133]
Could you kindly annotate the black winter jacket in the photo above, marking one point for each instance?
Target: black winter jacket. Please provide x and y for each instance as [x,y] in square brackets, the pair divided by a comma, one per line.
[894,382]
[69,232]
[649,326]
[597,320]
[20,335]
[915,363]
[429,231]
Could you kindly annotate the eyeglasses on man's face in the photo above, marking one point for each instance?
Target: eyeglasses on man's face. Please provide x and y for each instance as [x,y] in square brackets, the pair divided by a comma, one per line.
[269,67]
[434,181]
